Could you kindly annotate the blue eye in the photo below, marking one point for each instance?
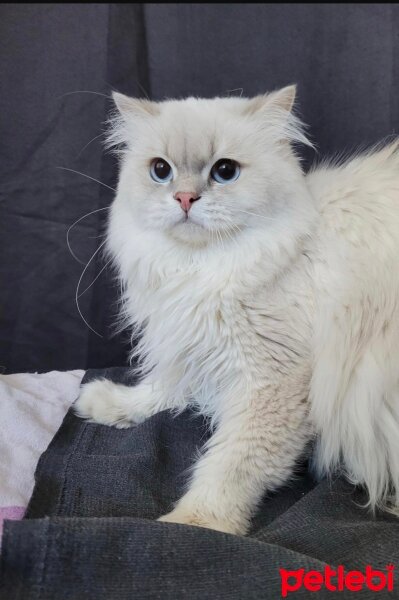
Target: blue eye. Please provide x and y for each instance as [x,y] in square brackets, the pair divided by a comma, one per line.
[161,171]
[225,170]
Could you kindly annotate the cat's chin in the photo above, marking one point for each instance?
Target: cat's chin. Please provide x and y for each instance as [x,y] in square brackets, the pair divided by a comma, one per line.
[189,232]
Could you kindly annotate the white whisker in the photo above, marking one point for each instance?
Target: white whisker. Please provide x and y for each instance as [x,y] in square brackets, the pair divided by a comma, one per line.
[220,238]
[95,279]
[230,221]
[241,90]
[73,225]
[88,143]
[231,237]
[96,237]
[77,291]
[88,177]
[84,92]
[255,214]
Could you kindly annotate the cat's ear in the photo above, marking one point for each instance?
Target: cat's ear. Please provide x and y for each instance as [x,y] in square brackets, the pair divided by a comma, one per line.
[283,98]
[126,120]
[134,107]
[274,112]
[280,99]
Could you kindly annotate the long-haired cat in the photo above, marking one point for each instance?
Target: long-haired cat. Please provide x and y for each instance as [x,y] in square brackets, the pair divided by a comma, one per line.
[266,297]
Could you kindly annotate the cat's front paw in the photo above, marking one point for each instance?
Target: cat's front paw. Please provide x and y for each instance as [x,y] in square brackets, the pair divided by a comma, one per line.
[102,401]
[202,519]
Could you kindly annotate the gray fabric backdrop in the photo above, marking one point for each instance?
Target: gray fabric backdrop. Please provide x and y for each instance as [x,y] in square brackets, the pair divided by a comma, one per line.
[344,58]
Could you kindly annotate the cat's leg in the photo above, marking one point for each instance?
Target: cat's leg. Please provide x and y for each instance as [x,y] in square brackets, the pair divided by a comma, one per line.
[103,401]
[253,451]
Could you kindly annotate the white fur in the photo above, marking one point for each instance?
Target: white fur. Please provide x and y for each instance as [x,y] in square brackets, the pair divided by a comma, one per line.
[273,309]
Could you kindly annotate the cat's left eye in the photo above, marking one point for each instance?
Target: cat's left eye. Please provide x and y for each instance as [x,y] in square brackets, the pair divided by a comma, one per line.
[225,170]
[160,170]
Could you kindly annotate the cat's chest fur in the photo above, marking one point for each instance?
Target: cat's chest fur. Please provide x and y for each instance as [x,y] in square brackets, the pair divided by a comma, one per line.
[205,328]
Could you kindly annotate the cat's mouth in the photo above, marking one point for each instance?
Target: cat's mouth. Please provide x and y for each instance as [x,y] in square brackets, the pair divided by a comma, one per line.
[189,230]
[188,220]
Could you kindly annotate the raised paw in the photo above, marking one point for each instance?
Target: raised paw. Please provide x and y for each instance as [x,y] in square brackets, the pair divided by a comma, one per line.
[105,402]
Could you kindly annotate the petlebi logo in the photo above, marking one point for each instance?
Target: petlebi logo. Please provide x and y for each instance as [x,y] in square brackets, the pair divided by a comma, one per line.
[337,580]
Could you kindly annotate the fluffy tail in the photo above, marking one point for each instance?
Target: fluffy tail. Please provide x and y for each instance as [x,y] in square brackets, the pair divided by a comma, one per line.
[359,431]
[355,385]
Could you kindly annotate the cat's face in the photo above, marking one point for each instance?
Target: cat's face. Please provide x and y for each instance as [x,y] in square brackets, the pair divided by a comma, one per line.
[198,170]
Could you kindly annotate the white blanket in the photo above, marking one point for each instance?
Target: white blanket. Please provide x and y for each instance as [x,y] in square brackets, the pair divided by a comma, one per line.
[32,407]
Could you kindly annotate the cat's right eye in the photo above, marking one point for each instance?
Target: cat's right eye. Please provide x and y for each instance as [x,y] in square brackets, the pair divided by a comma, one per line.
[160,170]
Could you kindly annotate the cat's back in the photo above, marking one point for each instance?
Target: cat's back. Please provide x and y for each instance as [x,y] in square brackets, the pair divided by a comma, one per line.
[356,249]
[358,203]
[362,192]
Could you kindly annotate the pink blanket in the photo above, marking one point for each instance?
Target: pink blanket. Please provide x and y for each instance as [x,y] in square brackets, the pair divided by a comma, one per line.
[32,407]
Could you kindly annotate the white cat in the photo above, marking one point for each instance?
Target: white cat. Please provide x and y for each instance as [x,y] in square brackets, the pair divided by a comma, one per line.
[267,298]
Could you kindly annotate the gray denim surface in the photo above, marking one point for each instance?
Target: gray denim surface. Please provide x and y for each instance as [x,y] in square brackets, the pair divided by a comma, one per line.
[90,529]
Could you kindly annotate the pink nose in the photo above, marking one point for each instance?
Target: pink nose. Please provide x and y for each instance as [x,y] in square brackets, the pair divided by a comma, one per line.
[186,199]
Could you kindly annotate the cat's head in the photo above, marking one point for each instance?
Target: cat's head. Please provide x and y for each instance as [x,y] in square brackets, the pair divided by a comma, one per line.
[198,170]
